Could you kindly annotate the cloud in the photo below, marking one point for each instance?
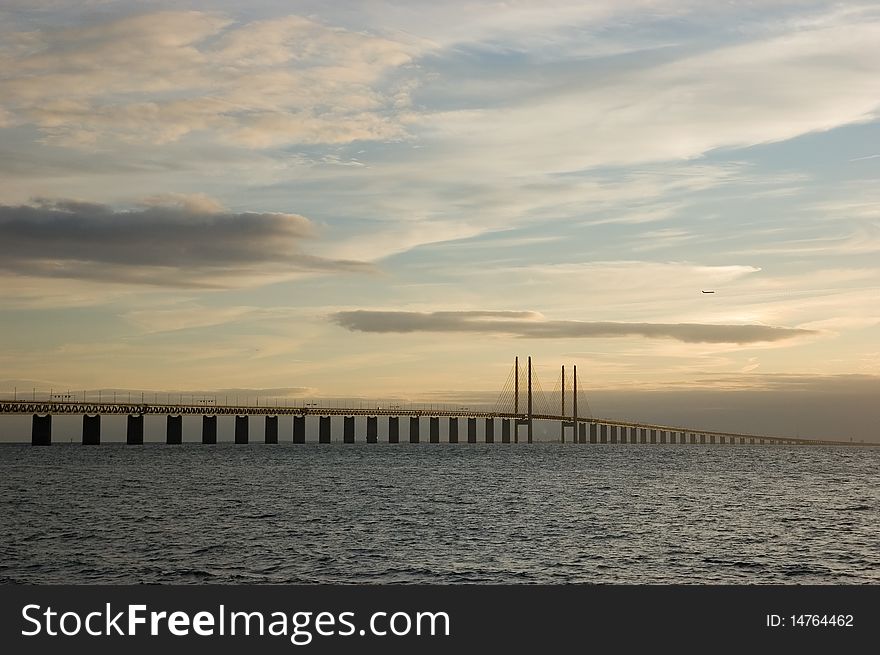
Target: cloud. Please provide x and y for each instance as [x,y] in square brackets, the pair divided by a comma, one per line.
[534,325]
[155,78]
[193,243]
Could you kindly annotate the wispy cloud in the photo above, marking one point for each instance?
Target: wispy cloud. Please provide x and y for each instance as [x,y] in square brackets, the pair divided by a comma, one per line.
[534,325]
[157,77]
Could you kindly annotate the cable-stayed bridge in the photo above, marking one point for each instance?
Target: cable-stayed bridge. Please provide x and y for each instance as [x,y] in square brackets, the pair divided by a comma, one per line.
[522,401]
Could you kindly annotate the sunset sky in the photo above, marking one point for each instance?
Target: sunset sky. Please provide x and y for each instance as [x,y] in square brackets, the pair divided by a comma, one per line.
[393,199]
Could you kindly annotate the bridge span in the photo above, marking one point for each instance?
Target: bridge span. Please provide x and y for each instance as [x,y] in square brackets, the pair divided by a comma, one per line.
[584,429]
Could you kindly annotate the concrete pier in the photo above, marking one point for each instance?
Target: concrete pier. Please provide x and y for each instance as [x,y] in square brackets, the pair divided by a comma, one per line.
[372,429]
[324,429]
[91,430]
[348,429]
[414,429]
[134,432]
[299,429]
[453,429]
[393,429]
[209,429]
[603,433]
[490,430]
[174,429]
[612,433]
[434,429]
[241,429]
[505,430]
[662,436]
[41,430]
[271,435]
[582,433]
[653,436]
[593,430]
[643,435]
[472,430]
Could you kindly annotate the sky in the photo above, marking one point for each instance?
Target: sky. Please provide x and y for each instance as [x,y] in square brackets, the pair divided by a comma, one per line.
[384,199]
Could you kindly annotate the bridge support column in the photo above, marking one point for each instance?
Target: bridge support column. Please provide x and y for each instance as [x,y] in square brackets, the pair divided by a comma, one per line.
[209,429]
[91,430]
[612,433]
[603,433]
[593,431]
[299,428]
[702,438]
[453,429]
[271,435]
[653,436]
[711,438]
[348,429]
[174,429]
[472,430]
[505,430]
[241,429]
[582,433]
[41,430]
[372,429]
[434,429]
[662,436]
[393,429]
[324,429]
[490,430]
[134,432]
[414,429]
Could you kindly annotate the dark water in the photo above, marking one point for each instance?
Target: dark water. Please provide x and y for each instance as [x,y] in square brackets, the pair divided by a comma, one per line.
[439,513]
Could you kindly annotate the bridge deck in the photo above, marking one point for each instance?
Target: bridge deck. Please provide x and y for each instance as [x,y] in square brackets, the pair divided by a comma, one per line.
[61,407]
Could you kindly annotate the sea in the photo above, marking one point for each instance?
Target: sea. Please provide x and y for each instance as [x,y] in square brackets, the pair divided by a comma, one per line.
[439,513]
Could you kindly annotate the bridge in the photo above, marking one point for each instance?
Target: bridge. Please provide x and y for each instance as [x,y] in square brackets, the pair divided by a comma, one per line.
[508,410]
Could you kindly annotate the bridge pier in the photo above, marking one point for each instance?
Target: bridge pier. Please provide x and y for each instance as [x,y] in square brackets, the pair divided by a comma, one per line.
[702,438]
[241,429]
[209,429]
[299,428]
[434,429]
[271,429]
[472,430]
[348,429]
[41,430]
[134,432]
[414,429]
[393,429]
[453,429]
[91,435]
[612,433]
[372,429]
[663,436]
[603,433]
[324,429]
[653,436]
[174,429]
[490,430]
[594,428]
[582,433]
[505,430]
[711,438]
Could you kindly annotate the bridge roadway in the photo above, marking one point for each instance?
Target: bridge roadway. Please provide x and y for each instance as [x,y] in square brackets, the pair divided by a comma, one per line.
[589,429]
